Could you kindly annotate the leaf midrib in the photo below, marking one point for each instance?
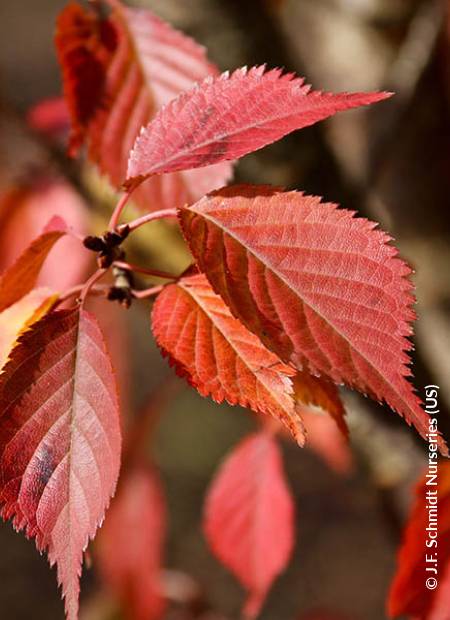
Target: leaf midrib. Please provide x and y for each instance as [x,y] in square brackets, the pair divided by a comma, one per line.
[265,264]
[238,354]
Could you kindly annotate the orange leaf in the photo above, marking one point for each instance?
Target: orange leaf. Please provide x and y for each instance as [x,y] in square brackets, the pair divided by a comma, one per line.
[21,315]
[20,278]
[219,356]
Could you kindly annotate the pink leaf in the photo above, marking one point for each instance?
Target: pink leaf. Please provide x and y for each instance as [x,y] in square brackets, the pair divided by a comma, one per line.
[130,544]
[327,441]
[25,210]
[323,289]
[59,440]
[117,72]
[249,517]
[219,356]
[230,116]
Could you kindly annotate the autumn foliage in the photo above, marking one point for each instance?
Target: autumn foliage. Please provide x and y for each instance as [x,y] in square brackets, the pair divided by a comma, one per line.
[287,297]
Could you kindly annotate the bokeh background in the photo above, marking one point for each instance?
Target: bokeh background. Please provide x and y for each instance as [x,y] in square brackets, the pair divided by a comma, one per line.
[391,164]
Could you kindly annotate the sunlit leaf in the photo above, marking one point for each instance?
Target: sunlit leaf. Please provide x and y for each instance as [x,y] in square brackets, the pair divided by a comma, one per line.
[59,440]
[232,115]
[323,289]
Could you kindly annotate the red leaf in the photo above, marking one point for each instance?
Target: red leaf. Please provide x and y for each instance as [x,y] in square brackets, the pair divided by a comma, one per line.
[130,545]
[322,289]
[59,439]
[25,210]
[249,517]
[18,317]
[409,594]
[117,72]
[231,116]
[219,356]
[85,43]
[21,277]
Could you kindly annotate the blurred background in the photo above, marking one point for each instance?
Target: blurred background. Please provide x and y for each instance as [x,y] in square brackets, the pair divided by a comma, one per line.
[391,164]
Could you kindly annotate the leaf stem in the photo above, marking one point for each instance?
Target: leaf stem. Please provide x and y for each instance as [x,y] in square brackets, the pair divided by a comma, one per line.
[75,290]
[90,283]
[157,273]
[150,217]
[114,221]
[148,292]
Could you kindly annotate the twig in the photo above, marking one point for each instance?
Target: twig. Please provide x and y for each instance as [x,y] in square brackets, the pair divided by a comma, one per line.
[90,283]
[157,273]
[150,217]
[75,290]
[113,222]
[148,292]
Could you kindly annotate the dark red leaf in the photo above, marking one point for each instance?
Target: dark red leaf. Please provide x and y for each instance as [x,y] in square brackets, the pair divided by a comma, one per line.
[117,72]
[230,116]
[85,43]
[249,517]
[59,440]
[323,289]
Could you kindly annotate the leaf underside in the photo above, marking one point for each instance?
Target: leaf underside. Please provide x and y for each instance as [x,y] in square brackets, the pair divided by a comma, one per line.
[59,440]
[117,72]
[322,289]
